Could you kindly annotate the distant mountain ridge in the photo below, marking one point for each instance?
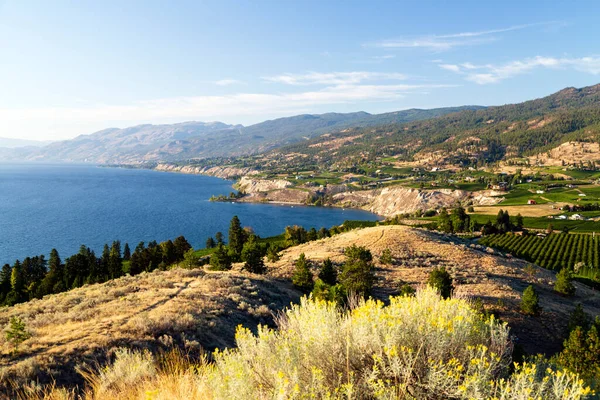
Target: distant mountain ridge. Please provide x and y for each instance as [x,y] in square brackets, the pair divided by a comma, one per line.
[187,140]
[11,143]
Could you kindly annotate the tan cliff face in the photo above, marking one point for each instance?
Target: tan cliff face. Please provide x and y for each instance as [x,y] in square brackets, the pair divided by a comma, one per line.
[251,185]
[224,172]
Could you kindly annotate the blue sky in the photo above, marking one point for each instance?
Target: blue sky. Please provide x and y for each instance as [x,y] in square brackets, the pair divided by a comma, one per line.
[75,67]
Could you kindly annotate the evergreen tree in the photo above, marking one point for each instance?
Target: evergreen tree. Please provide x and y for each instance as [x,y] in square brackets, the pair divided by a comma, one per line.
[219,238]
[406,289]
[126,252]
[17,333]
[273,253]
[236,238]
[444,223]
[5,287]
[219,260]
[323,233]
[579,318]
[564,284]
[530,301]
[519,221]
[581,353]
[105,265]
[53,276]
[295,235]
[210,243]
[328,274]
[252,255]
[312,235]
[357,273]
[302,277]
[169,253]
[17,285]
[181,247]
[440,280]
[190,259]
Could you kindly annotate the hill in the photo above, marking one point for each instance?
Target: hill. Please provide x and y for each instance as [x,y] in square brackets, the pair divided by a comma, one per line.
[151,143]
[198,310]
[468,137]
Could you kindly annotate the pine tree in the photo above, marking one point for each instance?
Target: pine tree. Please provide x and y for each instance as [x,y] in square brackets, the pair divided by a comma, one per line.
[219,238]
[302,277]
[328,274]
[357,273]
[126,252]
[444,223]
[219,260]
[252,255]
[564,284]
[440,280]
[312,235]
[169,253]
[579,318]
[210,243]
[530,301]
[181,247]
[273,253]
[235,237]
[17,333]
[5,287]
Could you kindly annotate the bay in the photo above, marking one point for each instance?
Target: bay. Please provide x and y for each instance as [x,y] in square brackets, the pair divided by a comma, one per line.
[64,206]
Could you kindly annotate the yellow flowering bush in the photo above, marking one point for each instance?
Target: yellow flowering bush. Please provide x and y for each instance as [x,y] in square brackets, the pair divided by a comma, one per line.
[421,347]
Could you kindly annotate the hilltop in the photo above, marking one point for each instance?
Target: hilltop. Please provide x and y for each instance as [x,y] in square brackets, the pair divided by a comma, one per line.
[198,310]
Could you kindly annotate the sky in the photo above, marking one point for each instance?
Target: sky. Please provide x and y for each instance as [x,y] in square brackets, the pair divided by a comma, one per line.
[75,67]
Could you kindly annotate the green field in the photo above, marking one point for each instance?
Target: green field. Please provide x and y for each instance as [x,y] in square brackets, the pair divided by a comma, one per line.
[555,251]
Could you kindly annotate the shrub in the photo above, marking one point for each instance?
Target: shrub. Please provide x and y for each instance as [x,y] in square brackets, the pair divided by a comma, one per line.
[406,290]
[190,259]
[386,257]
[564,284]
[440,280]
[273,253]
[530,301]
[302,277]
[252,255]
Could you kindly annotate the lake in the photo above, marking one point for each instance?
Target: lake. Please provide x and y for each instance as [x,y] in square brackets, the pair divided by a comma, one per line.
[63,206]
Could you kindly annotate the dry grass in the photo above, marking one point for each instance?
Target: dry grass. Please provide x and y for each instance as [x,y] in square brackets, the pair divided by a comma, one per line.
[192,309]
[533,210]
[498,281]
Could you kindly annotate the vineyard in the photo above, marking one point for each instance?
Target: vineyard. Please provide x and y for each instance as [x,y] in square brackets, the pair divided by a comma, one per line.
[579,252]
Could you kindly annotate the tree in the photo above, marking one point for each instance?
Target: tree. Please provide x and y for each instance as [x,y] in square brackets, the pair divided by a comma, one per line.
[519,221]
[550,229]
[219,260]
[581,353]
[444,223]
[530,301]
[53,276]
[219,238]
[252,255]
[328,274]
[17,333]
[17,285]
[357,273]
[302,277]
[236,237]
[440,280]
[295,235]
[181,247]
[322,233]
[386,257]
[210,243]
[273,253]
[564,284]
[406,289]
[5,287]
[312,235]
[579,318]
[190,259]
[169,253]
[126,252]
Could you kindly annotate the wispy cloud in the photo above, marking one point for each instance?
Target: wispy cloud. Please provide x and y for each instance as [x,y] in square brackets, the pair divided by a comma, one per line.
[228,82]
[445,42]
[333,78]
[85,119]
[490,73]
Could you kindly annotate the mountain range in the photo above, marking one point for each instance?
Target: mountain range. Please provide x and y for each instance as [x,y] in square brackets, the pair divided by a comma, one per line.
[188,140]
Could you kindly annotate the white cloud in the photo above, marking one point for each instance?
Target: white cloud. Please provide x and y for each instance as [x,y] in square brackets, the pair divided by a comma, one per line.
[227,82]
[490,73]
[448,41]
[333,78]
[54,123]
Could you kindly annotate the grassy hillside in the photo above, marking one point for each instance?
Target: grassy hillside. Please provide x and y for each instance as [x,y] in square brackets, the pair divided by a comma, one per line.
[198,310]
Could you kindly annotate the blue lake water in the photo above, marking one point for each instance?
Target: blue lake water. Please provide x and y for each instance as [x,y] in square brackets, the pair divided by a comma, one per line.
[63,206]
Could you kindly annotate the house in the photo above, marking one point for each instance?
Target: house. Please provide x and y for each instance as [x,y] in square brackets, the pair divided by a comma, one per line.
[581,194]
[561,217]
[539,191]
[577,217]
[435,169]
[531,202]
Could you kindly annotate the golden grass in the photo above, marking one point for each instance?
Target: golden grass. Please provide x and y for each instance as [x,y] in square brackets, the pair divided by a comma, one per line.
[533,210]
[192,309]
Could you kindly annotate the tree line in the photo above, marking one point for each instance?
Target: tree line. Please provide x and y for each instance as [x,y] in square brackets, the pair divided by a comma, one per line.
[35,277]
